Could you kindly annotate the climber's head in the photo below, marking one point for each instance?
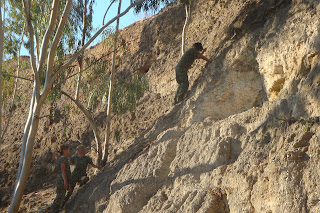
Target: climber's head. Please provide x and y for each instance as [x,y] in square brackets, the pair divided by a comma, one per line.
[198,46]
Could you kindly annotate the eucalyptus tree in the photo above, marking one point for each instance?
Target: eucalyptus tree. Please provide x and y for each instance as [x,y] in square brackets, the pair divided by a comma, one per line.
[147,5]
[107,133]
[10,46]
[11,107]
[12,27]
[44,63]
[152,5]
[83,22]
[1,58]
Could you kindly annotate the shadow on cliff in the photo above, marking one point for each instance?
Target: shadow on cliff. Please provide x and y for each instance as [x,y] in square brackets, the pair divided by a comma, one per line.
[152,184]
[259,13]
[293,108]
[254,19]
[99,187]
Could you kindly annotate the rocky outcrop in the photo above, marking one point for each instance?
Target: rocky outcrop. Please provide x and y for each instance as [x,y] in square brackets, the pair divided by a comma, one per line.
[246,139]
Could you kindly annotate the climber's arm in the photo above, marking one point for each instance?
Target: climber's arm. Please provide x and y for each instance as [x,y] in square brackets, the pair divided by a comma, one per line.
[200,56]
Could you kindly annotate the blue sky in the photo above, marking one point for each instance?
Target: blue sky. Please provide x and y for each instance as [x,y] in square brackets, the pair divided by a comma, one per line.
[100,8]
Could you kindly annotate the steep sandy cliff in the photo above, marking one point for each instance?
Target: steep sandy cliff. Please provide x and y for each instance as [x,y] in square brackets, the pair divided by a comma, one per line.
[247,137]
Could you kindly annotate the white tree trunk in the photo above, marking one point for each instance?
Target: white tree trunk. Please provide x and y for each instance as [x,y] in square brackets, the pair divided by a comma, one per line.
[187,9]
[27,157]
[38,98]
[32,123]
[4,11]
[84,15]
[107,134]
[76,96]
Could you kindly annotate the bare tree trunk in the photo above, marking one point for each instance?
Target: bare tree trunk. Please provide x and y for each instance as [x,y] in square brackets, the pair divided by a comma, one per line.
[107,134]
[84,30]
[37,48]
[187,8]
[91,121]
[76,96]
[1,58]
[38,98]
[4,10]
[105,14]
[25,168]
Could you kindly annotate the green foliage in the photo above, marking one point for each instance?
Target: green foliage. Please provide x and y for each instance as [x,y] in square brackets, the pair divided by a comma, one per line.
[7,85]
[152,5]
[12,27]
[126,94]
[96,86]
[24,65]
[117,135]
[64,116]
[56,113]
[80,8]
[92,99]
[185,2]
[98,67]
[54,95]
[66,108]
[77,111]
[306,123]
[107,37]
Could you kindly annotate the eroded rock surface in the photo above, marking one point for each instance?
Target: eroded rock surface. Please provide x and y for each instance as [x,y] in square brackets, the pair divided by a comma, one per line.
[247,138]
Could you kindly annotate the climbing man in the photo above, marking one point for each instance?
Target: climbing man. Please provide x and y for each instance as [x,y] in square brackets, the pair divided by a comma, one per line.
[79,174]
[187,59]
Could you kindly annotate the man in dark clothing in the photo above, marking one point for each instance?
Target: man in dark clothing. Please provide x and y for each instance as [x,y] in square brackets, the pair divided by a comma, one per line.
[183,66]
[63,178]
[79,174]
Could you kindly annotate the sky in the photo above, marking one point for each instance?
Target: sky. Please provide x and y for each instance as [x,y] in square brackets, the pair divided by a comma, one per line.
[99,9]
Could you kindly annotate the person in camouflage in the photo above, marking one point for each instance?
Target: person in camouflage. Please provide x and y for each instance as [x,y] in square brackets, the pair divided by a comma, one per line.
[79,174]
[183,66]
[63,179]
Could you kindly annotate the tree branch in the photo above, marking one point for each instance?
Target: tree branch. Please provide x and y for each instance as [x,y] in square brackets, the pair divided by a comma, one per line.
[31,33]
[47,35]
[1,58]
[94,63]
[92,39]
[14,76]
[56,40]
[32,57]
[91,121]
[107,11]
[107,132]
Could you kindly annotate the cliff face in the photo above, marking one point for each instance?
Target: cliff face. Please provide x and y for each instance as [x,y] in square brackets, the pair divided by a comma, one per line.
[246,139]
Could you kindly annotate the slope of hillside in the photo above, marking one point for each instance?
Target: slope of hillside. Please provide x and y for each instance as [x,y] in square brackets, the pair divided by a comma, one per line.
[245,140]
